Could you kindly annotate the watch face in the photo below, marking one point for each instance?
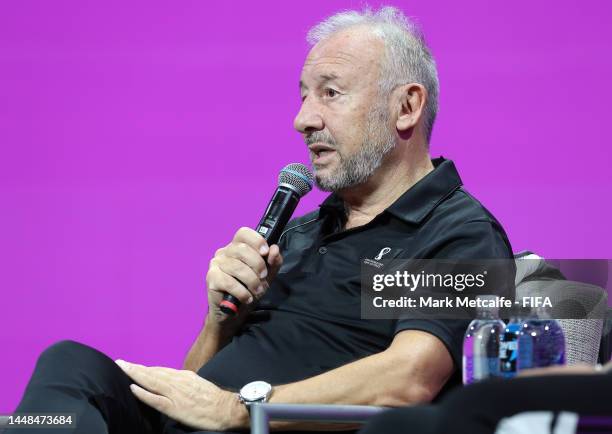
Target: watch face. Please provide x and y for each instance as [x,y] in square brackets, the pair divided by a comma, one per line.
[255,391]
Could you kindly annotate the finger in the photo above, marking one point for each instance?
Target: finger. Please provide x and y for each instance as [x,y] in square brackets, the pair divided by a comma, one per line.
[164,371]
[253,239]
[219,281]
[249,256]
[148,378]
[178,379]
[175,377]
[158,402]
[275,259]
[239,270]
[152,368]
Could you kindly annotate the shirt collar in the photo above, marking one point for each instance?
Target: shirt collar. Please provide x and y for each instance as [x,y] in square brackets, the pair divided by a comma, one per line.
[419,200]
[431,190]
[333,205]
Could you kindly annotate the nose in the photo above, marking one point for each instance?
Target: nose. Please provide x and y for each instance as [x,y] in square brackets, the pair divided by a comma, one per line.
[308,119]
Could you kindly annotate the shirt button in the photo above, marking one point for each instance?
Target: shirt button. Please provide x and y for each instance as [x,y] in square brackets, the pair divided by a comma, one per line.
[322,250]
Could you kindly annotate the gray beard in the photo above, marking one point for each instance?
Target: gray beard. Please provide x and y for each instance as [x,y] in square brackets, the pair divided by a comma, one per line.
[356,169]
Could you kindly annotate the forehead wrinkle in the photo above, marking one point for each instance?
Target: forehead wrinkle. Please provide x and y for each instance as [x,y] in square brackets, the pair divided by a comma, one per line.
[352,62]
[342,59]
[327,73]
[327,61]
[338,57]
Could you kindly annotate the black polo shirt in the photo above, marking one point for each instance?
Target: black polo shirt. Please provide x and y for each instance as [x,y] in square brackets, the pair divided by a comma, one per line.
[310,319]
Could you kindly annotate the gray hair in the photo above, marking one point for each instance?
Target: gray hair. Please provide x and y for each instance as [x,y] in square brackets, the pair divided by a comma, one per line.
[407,57]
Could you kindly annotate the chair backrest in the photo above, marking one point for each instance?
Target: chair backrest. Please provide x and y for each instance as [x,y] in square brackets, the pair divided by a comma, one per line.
[536,278]
[582,340]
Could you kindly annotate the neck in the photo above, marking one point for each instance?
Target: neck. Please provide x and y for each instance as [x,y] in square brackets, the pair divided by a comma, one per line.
[365,201]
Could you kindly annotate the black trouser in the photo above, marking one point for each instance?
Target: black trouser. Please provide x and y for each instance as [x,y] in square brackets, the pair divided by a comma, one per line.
[477,409]
[70,377]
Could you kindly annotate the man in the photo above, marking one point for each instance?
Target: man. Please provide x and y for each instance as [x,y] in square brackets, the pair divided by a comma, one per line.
[369,99]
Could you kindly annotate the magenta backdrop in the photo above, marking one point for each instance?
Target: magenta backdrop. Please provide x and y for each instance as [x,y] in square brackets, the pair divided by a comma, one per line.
[137,137]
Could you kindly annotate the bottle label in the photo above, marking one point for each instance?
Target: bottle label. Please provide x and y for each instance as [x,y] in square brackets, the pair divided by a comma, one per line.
[507,356]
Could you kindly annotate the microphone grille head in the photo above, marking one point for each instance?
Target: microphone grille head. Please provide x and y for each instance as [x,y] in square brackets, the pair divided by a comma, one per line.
[298,176]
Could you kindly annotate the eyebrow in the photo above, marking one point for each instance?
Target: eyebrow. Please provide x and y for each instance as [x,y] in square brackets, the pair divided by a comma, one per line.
[324,78]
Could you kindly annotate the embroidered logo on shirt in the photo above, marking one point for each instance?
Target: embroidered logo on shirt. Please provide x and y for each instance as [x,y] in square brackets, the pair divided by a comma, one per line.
[382,253]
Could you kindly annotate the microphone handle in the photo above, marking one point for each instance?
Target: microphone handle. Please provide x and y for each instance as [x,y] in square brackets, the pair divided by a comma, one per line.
[271,226]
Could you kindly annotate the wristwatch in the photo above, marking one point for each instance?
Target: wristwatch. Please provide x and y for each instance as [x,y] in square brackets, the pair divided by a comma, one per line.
[255,391]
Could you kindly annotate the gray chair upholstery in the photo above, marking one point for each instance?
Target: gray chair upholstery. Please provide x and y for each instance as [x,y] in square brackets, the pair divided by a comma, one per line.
[571,300]
[582,340]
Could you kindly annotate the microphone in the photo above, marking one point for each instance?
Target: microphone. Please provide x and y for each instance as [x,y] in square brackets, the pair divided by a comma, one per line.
[294,181]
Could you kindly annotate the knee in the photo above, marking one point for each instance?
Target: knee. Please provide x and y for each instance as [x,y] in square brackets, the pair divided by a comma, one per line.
[76,369]
[65,351]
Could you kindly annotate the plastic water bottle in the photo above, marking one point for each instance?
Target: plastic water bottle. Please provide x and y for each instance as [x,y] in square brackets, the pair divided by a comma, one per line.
[525,346]
[508,348]
[481,345]
[541,342]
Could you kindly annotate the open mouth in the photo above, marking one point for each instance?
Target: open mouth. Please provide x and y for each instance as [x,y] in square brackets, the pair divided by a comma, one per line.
[320,152]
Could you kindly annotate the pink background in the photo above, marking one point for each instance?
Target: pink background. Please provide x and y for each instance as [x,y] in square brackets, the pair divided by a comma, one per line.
[138,136]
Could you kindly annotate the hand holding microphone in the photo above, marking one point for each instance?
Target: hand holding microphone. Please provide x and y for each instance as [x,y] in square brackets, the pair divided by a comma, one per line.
[238,273]
[242,269]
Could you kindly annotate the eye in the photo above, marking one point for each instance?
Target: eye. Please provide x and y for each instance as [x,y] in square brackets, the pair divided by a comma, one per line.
[330,93]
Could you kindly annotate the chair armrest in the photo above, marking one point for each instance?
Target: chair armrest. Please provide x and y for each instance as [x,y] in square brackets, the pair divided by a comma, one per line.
[263,413]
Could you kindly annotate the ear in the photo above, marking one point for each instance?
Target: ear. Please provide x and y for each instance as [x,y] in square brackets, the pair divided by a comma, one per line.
[411,105]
